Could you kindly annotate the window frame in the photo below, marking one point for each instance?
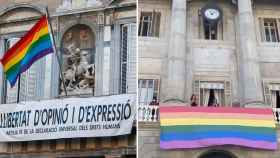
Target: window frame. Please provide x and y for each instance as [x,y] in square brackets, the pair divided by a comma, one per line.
[26,93]
[154,21]
[123,61]
[219,29]
[222,91]
[142,21]
[276,24]
[6,82]
[227,91]
[267,91]
[156,89]
[129,63]
[210,29]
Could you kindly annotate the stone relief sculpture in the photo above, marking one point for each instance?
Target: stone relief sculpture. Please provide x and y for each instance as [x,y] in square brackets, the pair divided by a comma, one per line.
[78,4]
[92,3]
[78,68]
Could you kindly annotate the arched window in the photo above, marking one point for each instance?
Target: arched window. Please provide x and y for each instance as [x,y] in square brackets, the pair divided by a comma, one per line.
[31,81]
[78,60]
[217,154]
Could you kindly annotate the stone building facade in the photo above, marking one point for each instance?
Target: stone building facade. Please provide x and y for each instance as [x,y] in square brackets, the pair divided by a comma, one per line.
[233,60]
[96,47]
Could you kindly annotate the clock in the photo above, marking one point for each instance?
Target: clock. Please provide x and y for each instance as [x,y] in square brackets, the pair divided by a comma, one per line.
[211,13]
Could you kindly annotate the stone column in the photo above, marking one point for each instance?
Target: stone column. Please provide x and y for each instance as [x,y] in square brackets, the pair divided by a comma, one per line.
[3,146]
[250,77]
[106,60]
[2,51]
[176,57]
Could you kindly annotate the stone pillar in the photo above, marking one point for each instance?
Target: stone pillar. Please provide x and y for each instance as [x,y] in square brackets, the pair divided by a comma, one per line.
[2,51]
[250,77]
[106,60]
[176,57]
[48,76]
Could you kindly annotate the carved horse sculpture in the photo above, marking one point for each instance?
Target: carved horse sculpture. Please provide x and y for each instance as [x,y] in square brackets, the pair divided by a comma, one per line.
[89,77]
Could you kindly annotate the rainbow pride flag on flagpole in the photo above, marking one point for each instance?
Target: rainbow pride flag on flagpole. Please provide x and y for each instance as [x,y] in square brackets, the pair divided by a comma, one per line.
[197,127]
[35,44]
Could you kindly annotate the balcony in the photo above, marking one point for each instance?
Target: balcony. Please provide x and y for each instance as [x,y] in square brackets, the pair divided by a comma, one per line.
[276,112]
[150,113]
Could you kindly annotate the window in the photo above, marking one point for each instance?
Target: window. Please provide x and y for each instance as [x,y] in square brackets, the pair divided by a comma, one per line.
[128,58]
[210,31]
[212,97]
[149,24]
[11,93]
[29,81]
[270,29]
[275,98]
[213,93]
[271,91]
[148,89]
[124,47]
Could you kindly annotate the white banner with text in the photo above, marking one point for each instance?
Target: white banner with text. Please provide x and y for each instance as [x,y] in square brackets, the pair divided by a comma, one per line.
[67,118]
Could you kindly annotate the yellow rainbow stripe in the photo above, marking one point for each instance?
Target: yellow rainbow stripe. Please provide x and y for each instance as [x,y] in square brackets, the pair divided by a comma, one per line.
[197,121]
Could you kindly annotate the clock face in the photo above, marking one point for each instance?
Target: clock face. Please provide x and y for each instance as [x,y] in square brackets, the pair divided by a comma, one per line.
[212,14]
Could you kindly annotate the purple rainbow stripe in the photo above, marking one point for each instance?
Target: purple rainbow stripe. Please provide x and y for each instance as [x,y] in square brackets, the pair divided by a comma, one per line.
[217,141]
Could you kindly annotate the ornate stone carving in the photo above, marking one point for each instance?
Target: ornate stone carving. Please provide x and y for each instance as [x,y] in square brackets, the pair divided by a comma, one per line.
[79,4]
[78,61]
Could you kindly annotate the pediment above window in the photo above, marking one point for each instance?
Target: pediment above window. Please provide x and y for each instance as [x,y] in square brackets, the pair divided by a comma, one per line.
[20,13]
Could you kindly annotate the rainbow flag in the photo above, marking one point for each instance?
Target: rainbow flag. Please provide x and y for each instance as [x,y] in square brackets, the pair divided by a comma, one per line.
[35,44]
[197,127]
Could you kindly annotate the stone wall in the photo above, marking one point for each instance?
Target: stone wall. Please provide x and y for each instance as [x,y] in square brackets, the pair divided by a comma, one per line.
[153,50]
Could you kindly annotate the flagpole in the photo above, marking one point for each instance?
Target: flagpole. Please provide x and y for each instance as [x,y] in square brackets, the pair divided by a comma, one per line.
[55,51]
[18,88]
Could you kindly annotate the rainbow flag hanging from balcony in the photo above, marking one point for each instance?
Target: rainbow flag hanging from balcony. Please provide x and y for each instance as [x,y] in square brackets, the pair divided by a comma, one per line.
[197,127]
[35,44]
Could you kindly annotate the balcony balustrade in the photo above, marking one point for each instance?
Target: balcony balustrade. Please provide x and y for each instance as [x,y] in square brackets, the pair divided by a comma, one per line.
[150,113]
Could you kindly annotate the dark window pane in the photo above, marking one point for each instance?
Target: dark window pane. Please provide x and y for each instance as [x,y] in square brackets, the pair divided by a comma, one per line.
[277,99]
[145,29]
[270,30]
[273,35]
[149,24]
[123,58]
[267,35]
